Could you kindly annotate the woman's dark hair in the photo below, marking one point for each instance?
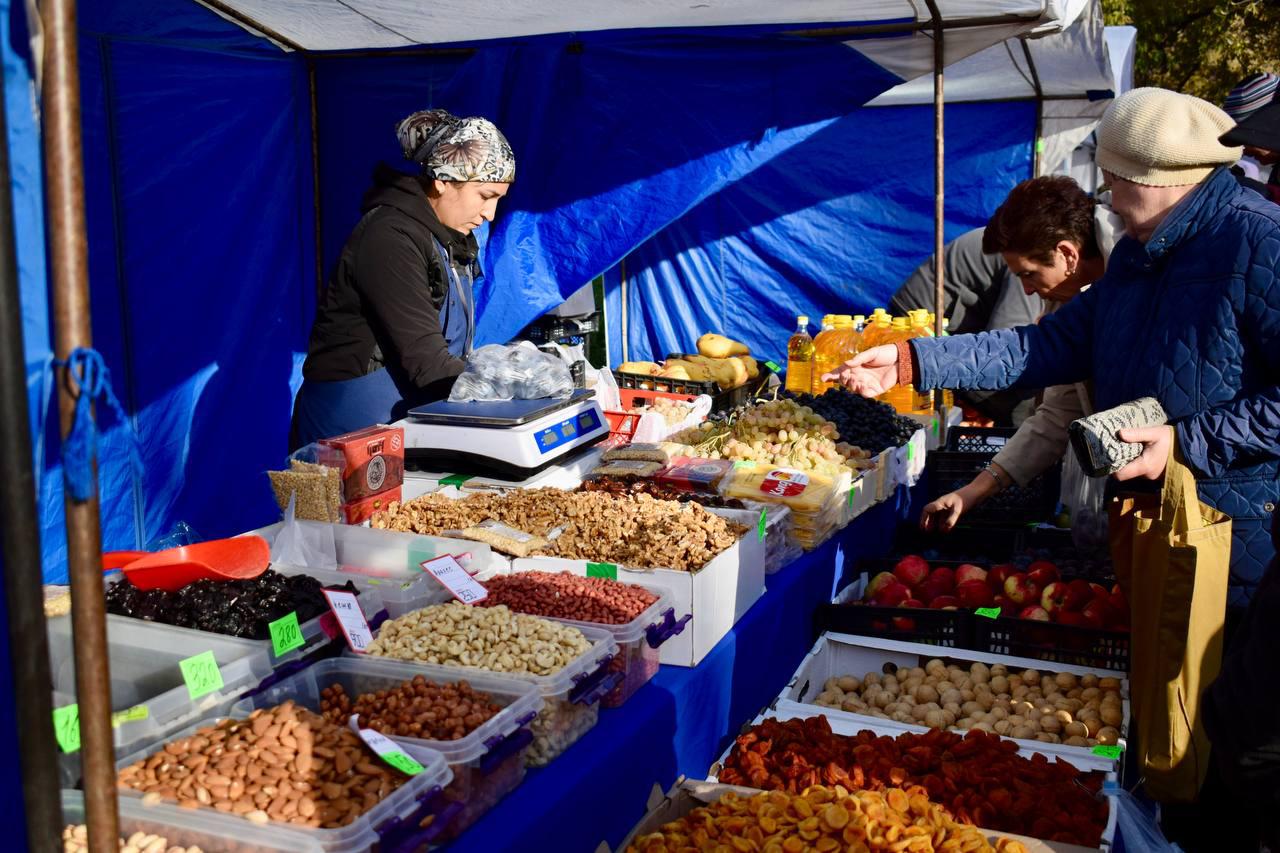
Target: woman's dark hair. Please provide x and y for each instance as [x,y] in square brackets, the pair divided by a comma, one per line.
[1038,214]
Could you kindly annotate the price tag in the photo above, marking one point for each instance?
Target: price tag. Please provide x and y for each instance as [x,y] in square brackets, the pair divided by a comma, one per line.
[201,674]
[387,749]
[66,727]
[989,612]
[911,450]
[129,715]
[937,424]
[602,570]
[773,366]
[286,634]
[455,579]
[1112,752]
[455,480]
[760,526]
[855,489]
[350,618]
[743,463]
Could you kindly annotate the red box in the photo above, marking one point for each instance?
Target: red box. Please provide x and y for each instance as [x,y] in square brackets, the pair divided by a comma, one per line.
[373,461]
[694,475]
[357,512]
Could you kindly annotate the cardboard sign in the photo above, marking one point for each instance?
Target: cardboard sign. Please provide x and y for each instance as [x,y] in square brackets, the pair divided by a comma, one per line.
[387,749]
[350,618]
[455,579]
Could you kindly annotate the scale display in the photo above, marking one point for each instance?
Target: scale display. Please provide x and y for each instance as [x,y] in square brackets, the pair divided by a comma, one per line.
[550,438]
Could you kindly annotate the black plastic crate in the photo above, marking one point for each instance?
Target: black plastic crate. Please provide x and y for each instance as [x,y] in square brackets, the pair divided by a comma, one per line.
[721,400]
[985,546]
[1051,641]
[969,450]
[950,628]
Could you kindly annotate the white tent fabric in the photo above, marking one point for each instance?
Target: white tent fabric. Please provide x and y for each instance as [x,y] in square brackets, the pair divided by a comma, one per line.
[363,24]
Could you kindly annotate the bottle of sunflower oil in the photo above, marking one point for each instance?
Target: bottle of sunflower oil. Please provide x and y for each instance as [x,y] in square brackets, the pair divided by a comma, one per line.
[901,397]
[922,327]
[826,356]
[800,358]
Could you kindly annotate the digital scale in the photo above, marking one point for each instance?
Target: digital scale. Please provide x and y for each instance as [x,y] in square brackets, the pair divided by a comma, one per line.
[512,439]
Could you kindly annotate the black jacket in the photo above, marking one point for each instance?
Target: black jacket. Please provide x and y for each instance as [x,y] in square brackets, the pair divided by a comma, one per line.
[383,302]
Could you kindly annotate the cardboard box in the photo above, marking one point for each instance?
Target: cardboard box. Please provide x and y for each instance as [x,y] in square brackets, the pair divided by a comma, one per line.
[358,512]
[717,595]
[687,795]
[373,461]
[848,654]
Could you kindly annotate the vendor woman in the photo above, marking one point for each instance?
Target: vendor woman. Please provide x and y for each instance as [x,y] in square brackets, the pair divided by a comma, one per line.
[397,320]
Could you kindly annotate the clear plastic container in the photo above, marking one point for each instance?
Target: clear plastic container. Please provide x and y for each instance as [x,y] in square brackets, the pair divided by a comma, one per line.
[392,824]
[638,643]
[570,697]
[187,828]
[487,764]
[146,678]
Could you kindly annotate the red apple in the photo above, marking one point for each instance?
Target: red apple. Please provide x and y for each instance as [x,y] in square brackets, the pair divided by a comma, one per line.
[974,593]
[1035,612]
[1042,572]
[1098,589]
[893,595]
[1119,603]
[970,572]
[944,602]
[878,583]
[933,588]
[998,574]
[1070,617]
[902,623]
[1078,594]
[1054,598]
[1095,613]
[1006,606]
[912,602]
[943,576]
[1020,589]
[911,570]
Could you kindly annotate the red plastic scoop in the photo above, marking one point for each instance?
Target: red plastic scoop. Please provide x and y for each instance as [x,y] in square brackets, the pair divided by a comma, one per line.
[239,558]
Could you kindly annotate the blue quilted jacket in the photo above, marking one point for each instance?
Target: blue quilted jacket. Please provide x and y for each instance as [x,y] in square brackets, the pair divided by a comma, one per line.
[1191,318]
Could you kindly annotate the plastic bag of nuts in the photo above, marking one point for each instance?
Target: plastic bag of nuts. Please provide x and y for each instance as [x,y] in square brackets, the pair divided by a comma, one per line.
[75,839]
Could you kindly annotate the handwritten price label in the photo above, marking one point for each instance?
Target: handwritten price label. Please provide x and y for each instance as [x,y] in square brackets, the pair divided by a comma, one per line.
[455,579]
[286,634]
[201,674]
[989,612]
[351,618]
[1112,752]
[386,749]
[66,727]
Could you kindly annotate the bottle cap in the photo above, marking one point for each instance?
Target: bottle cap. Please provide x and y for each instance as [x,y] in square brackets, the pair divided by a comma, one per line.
[802,320]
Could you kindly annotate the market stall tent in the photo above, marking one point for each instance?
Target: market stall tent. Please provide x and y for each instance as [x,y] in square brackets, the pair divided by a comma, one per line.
[835,223]
[226,151]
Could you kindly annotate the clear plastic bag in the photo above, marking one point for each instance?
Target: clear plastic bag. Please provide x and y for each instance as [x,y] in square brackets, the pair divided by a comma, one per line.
[513,372]
[1138,824]
[1085,500]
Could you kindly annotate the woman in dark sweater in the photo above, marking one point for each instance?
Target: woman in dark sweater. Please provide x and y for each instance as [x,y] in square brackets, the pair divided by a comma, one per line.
[398,318]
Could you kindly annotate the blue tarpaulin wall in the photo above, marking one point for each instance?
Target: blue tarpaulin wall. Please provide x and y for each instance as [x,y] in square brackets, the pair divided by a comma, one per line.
[201,213]
[832,225]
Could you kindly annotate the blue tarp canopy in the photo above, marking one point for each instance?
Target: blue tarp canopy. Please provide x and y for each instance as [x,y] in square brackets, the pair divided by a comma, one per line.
[213,218]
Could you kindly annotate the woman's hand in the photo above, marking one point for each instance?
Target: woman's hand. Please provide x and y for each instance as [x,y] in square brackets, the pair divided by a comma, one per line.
[944,513]
[870,373]
[1157,442]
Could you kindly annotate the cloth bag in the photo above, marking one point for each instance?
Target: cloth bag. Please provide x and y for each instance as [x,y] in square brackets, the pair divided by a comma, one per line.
[1171,556]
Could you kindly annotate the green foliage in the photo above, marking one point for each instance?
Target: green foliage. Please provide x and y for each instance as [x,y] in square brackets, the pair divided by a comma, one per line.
[1200,47]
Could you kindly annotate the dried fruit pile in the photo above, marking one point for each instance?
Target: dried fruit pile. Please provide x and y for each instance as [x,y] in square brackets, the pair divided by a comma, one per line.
[978,778]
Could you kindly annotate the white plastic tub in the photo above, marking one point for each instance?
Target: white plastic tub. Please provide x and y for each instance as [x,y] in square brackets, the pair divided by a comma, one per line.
[487,764]
[571,697]
[390,825]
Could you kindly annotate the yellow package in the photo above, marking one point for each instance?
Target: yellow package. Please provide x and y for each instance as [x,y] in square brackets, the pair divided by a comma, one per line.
[801,490]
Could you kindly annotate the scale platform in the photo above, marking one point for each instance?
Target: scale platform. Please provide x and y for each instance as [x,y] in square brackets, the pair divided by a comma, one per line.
[511,439]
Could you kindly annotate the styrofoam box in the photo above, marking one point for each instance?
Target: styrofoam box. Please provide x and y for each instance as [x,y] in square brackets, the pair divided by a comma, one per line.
[862,494]
[399,809]
[565,717]
[792,711]
[390,553]
[196,828]
[687,795]
[487,764]
[834,655]
[717,595]
[885,483]
[144,660]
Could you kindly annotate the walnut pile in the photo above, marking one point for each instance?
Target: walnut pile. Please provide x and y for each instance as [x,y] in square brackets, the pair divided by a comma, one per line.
[630,530]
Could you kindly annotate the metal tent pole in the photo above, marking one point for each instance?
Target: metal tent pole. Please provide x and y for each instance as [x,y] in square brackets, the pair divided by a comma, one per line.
[939,193]
[69,266]
[28,643]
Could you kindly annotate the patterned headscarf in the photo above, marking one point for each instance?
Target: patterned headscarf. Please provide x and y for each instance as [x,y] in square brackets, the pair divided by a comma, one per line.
[449,148]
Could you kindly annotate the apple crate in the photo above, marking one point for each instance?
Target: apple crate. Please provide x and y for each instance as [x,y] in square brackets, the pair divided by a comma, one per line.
[969,450]
[1019,544]
[950,628]
[1053,641]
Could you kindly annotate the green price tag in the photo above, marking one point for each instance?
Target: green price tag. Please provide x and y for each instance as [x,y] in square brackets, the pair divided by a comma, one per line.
[1039,146]
[66,727]
[201,674]
[760,525]
[403,763]
[989,612]
[772,366]
[286,634]
[911,450]
[417,558]
[1112,752]
[744,463]
[455,480]
[602,570]
[937,424]
[129,715]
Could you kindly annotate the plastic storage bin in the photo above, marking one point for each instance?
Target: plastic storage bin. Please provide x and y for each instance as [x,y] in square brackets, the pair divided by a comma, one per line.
[185,827]
[487,764]
[638,643]
[393,824]
[570,697]
[145,676]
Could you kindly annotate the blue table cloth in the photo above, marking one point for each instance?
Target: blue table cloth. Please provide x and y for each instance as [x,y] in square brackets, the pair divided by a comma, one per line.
[682,720]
